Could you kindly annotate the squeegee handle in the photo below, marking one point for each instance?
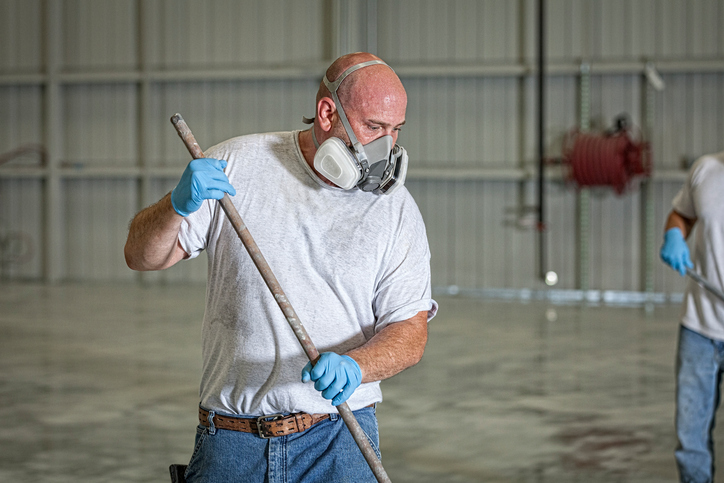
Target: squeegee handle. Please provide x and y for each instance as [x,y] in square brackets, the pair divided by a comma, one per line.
[271,281]
[705,283]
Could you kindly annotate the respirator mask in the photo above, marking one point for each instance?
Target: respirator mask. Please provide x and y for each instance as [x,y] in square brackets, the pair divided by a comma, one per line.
[379,166]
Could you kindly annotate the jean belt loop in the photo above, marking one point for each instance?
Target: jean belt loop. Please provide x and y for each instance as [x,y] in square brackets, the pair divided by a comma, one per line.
[334,416]
[210,418]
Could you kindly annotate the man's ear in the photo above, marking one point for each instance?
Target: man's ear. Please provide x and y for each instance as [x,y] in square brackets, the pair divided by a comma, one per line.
[325,113]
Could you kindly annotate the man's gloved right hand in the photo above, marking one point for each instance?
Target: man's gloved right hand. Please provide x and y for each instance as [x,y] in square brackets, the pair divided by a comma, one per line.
[675,251]
[203,179]
[335,376]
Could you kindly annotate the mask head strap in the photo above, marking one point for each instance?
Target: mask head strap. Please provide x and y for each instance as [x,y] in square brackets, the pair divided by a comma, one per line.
[333,86]
[306,120]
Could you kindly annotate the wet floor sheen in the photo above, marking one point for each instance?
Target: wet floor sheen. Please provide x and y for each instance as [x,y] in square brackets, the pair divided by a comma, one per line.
[99,384]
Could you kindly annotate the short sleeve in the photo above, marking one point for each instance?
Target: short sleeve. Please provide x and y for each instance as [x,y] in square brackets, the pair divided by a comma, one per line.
[404,288]
[683,202]
[195,228]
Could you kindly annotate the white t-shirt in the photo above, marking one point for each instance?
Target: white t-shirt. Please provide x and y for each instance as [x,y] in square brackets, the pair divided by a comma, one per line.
[702,197]
[349,262]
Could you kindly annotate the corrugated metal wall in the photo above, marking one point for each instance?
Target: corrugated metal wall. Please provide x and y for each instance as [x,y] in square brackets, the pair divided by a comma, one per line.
[95,82]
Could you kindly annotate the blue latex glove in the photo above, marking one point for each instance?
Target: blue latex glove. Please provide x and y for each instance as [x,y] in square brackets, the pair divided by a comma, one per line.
[675,251]
[203,179]
[335,376]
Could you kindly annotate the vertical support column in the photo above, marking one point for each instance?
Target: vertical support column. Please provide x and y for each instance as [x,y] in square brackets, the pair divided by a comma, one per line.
[52,122]
[584,195]
[340,16]
[525,103]
[372,26]
[143,115]
[542,245]
[647,192]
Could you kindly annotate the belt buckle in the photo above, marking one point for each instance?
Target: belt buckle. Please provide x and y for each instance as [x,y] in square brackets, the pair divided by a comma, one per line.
[266,419]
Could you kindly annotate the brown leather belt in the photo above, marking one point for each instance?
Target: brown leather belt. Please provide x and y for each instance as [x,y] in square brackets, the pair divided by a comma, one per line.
[265,426]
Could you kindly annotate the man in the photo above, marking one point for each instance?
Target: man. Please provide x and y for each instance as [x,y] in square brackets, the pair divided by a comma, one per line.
[701,336]
[347,243]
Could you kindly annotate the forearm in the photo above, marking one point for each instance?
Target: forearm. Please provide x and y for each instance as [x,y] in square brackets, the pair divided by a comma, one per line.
[152,242]
[677,220]
[398,346]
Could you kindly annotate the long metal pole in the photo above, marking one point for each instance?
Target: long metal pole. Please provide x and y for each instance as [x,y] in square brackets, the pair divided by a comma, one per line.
[647,197]
[543,249]
[706,284]
[584,195]
[271,281]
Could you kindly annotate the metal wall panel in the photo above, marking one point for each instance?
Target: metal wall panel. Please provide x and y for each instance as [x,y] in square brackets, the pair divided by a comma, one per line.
[96,215]
[691,120]
[615,241]
[21,228]
[631,30]
[216,111]
[561,116]
[99,126]
[615,95]
[21,122]
[21,198]
[561,236]
[706,122]
[99,35]
[473,233]
[462,122]
[481,232]
[20,36]
[643,37]
[212,33]
[429,31]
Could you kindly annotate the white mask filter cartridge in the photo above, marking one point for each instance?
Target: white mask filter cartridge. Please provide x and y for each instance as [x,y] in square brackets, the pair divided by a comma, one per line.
[334,161]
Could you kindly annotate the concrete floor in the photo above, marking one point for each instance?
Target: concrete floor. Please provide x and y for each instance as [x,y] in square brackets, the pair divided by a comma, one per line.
[99,384]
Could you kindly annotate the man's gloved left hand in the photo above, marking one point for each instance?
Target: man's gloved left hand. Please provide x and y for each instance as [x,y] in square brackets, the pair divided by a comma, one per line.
[335,376]
[675,251]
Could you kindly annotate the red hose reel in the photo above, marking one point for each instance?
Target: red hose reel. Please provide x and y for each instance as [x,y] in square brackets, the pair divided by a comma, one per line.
[612,158]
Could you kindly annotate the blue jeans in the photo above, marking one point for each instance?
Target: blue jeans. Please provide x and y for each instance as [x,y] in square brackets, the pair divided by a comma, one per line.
[698,377]
[323,453]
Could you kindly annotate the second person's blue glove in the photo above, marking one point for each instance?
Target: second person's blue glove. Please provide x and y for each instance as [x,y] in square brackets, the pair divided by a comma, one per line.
[335,376]
[203,179]
[675,251]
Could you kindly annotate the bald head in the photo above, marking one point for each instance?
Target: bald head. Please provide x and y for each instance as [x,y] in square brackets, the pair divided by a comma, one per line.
[382,76]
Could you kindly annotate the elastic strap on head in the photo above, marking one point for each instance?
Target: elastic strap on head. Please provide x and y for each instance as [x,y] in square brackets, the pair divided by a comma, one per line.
[333,86]
[306,120]
[314,138]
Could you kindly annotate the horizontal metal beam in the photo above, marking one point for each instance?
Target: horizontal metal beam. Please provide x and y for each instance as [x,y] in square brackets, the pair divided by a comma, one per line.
[564,296]
[471,174]
[303,72]
[22,79]
[79,169]
[314,70]
[462,70]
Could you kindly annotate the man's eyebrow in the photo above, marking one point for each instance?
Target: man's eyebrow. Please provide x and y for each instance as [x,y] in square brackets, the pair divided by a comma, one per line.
[382,123]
